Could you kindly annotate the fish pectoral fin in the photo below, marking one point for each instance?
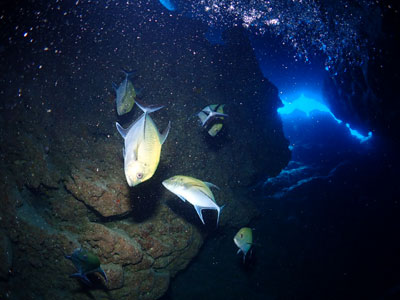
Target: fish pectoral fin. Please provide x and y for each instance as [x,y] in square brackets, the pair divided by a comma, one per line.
[123,132]
[115,87]
[198,210]
[102,273]
[164,135]
[211,185]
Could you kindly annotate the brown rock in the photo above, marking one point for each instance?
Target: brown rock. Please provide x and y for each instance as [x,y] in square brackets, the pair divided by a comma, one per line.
[111,246]
[115,276]
[106,193]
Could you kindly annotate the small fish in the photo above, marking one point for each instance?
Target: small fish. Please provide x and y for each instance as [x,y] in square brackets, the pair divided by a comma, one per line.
[244,240]
[85,263]
[142,147]
[126,94]
[195,191]
[210,116]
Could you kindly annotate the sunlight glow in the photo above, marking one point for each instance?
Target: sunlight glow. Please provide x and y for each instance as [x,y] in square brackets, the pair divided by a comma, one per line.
[168,4]
[308,105]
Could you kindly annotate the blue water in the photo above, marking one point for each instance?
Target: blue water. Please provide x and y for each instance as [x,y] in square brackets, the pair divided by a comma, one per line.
[321,233]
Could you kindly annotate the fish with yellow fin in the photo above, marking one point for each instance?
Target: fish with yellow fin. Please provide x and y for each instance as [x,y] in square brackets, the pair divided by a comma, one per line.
[126,94]
[194,191]
[142,146]
[244,240]
[211,118]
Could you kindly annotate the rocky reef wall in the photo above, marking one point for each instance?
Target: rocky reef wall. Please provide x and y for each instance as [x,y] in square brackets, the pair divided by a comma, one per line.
[63,184]
[365,93]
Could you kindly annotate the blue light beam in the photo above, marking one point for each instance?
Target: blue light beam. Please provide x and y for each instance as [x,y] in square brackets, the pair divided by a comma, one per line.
[308,105]
[168,4]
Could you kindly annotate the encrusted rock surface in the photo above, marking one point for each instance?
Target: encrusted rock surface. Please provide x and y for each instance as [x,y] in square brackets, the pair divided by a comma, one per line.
[103,191]
[6,256]
[61,159]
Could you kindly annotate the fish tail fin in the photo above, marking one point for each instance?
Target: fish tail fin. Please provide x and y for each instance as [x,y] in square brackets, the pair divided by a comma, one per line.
[129,73]
[148,109]
[212,115]
[219,211]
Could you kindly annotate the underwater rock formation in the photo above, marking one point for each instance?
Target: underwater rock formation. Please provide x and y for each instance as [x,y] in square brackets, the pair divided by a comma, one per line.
[363,93]
[107,195]
[5,256]
[61,158]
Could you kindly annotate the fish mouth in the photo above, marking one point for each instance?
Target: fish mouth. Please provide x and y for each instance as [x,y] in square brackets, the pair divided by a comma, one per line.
[165,184]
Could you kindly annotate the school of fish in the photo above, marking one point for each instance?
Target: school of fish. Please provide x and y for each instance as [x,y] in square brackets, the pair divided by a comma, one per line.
[141,152]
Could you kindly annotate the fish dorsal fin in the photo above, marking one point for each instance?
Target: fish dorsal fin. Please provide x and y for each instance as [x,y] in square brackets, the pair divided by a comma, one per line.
[135,151]
[198,210]
[144,125]
[211,185]
[164,135]
[126,81]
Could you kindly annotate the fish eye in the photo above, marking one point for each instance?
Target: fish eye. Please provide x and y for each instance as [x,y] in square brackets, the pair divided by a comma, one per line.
[139,175]
[241,235]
